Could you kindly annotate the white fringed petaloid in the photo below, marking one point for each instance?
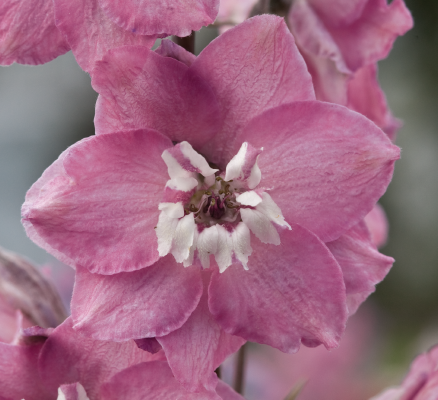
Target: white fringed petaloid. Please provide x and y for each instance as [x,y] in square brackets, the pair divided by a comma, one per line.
[222,210]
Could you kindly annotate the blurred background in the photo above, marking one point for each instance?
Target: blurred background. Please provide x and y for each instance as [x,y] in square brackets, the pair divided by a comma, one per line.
[45,109]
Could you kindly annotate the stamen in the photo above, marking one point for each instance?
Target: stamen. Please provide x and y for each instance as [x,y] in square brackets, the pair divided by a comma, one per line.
[193,208]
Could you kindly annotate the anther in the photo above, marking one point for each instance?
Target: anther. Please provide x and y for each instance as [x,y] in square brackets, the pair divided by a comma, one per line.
[208,193]
[218,178]
[213,202]
[221,191]
[227,187]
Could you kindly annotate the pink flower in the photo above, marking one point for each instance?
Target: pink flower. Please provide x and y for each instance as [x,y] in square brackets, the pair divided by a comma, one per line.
[232,12]
[341,43]
[37,31]
[421,382]
[378,225]
[61,362]
[262,176]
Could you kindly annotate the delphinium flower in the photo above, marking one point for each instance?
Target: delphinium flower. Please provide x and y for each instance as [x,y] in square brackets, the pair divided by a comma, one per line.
[198,214]
[342,42]
[37,31]
[421,383]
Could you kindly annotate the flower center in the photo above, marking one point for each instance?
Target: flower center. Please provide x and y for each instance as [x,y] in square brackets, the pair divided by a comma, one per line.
[206,212]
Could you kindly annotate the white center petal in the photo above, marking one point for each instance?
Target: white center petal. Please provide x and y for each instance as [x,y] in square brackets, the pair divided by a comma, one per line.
[250,198]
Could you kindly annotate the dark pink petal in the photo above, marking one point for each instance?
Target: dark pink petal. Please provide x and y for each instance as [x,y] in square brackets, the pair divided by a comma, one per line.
[19,378]
[170,49]
[370,38]
[69,357]
[151,17]
[196,349]
[291,293]
[149,381]
[378,225]
[97,205]
[366,96]
[327,166]
[91,33]
[150,345]
[28,34]
[362,265]
[132,305]
[73,391]
[251,68]
[140,89]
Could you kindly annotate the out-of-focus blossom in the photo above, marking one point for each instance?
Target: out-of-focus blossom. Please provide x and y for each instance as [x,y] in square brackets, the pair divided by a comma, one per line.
[37,31]
[339,374]
[421,383]
[27,298]
[233,12]
[115,204]
[341,43]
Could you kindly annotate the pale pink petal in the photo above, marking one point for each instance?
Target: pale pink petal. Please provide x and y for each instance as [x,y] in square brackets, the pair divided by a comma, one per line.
[167,48]
[28,34]
[251,68]
[19,378]
[97,205]
[196,349]
[232,12]
[68,357]
[291,293]
[362,265]
[150,381]
[72,391]
[151,17]
[91,33]
[133,305]
[370,37]
[226,392]
[327,166]
[366,96]
[378,225]
[140,89]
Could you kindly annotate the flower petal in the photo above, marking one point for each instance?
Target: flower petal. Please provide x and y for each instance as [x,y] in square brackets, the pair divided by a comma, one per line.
[150,17]
[362,265]
[68,357]
[366,96]
[251,68]
[28,34]
[378,225]
[291,293]
[72,391]
[196,349]
[140,89]
[97,205]
[134,305]
[91,33]
[149,381]
[327,166]
[167,48]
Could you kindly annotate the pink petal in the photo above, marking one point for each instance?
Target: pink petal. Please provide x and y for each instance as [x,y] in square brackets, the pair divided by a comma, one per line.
[327,166]
[291,293]
[151,17]
[73,391]
[170,49]
[149,381]
[150,345]
[19,378]
[97,205]
[68,357]
[28,34]
[251,68]
[91,33]
[196,349]
[140,89]
[370,37]
[321,53]
[362,265]
[366,96]
[378,225]
[233,12]
[147,303]
[338,12]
